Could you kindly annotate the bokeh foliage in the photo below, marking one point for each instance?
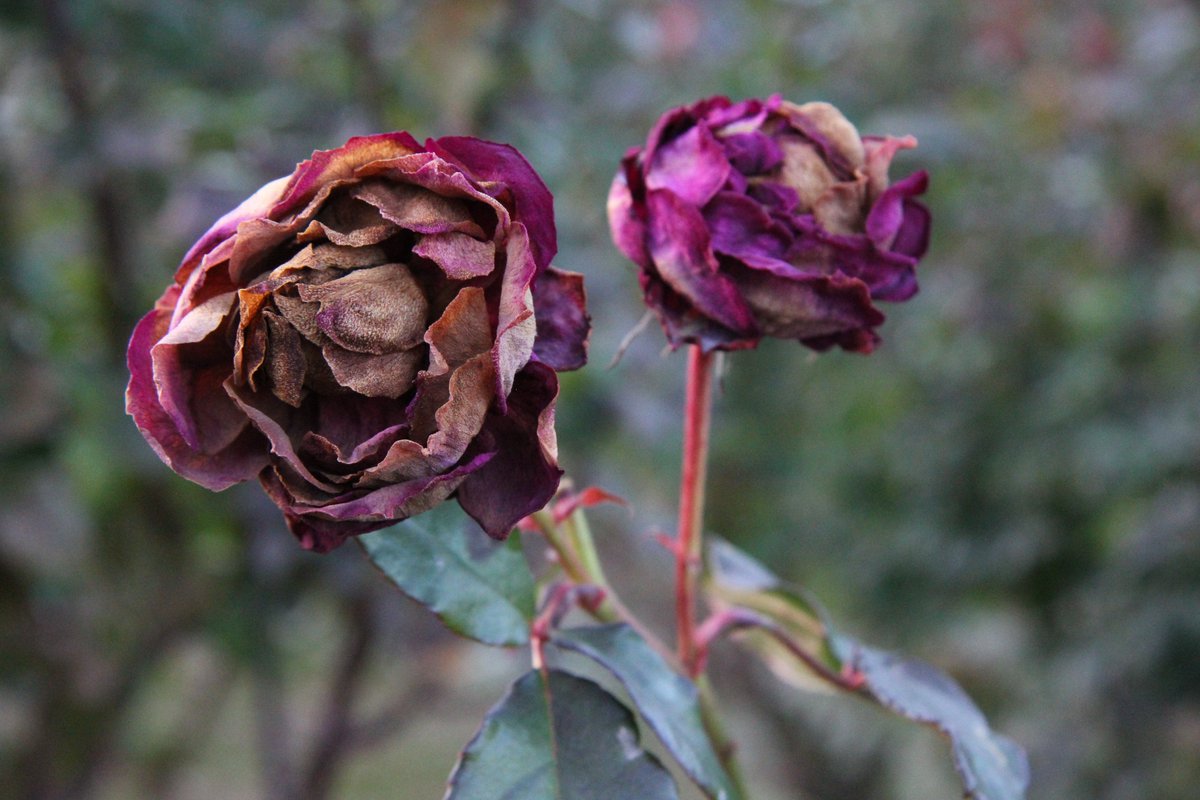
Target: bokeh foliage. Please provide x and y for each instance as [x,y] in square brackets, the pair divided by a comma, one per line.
[1009,487]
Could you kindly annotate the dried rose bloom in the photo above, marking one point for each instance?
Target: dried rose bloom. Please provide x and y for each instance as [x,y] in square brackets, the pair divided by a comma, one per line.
[765,218]
[370,336]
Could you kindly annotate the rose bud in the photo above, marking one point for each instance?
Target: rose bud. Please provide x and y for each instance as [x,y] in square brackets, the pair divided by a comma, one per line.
[766,218]
[369,337]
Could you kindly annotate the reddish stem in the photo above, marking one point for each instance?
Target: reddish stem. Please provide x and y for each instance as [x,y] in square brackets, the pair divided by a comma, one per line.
[849,679]
[696,423]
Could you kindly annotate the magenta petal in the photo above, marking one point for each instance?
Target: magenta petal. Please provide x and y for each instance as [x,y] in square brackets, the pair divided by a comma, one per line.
[682,324]
[533,204]
[741,227]
[460,256]
[677,120]
[175,371]
[808,307]
[749,113]
[356,425]
[692,165]
[888,276]
[888,214]
[524,474]
[323,527]
[625,219]
[563,324]
[775,197]
[679,245]
[752,152]
[912,239]
[239,460]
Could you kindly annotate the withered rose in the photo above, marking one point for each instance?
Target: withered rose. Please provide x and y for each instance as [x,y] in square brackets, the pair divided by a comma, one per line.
[766,218]
[369,337]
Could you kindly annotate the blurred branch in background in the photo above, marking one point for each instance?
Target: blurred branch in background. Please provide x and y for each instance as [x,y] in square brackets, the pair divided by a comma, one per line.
[94,169]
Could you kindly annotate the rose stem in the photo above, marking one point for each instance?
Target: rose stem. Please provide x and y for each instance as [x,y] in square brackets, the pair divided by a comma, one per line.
[697,419]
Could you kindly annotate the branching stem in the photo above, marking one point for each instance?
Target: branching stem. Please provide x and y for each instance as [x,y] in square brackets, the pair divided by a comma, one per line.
[732,619]
[576,552]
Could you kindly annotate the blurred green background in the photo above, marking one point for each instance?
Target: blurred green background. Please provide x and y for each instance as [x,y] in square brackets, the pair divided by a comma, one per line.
[1009,487]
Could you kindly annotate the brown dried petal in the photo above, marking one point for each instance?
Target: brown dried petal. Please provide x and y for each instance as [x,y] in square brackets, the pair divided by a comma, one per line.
[318,375]
[377,310]
[462,332]
[284,360]
[256,239]
[840,208]
[348,222]
[326,256]
[250,344]
[516,327]
[468,393]
[302,316]
[418,209]
[459,420]
[829,123]
[804,170]
[388,375]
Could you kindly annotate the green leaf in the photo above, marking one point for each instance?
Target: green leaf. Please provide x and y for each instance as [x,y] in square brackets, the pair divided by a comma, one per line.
[669,703]
[556,736]
[480,588]
[992,767]
[735,580]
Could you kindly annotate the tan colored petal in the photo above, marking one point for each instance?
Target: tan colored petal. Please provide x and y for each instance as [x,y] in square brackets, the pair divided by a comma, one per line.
[376,310]
[348,222]
[201,321]
[302,316]
[804,170]
[516,327]
[284,360]
[840,208]
[326,256]
[404,461]
[880,152]
[472,388]
[468,393]
[832,125]
[256,241]
[418,209]
[387,375]
[439,176]
[463,331]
